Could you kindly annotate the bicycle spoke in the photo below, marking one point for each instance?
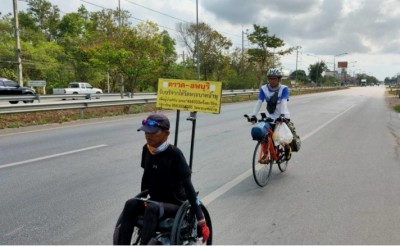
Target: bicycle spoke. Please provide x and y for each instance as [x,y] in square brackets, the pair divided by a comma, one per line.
[282,163]
[262,164]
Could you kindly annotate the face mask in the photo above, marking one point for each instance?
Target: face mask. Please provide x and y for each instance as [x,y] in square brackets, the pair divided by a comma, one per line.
[159,149]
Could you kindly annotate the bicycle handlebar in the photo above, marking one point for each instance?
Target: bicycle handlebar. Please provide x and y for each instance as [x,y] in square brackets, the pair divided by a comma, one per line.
[264,118]
[248,117]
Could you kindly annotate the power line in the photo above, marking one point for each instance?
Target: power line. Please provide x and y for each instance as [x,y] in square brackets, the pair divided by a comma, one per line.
[161,13]
[129,17]
[94,4]
[173,17]
[170,16]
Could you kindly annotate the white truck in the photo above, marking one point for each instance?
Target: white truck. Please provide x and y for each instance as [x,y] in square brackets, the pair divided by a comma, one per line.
[363,82]
[77,88]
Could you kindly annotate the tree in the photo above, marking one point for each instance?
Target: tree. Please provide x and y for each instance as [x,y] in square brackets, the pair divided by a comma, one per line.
[264,55]
[213,48]
[146,56]
[46,15]
[94,44]
[7,48]
[170,56]
[370,79]
[316,70]
[300,75]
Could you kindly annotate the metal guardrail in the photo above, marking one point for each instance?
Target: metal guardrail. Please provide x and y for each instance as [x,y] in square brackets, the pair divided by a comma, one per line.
[39,97]
[137,98]
[24,108]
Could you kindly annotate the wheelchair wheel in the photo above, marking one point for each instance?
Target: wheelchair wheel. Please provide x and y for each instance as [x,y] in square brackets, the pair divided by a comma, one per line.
[184,230]
[135,235]
[136,230]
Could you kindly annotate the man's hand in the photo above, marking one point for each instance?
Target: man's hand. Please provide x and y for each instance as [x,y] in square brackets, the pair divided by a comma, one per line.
[203,228]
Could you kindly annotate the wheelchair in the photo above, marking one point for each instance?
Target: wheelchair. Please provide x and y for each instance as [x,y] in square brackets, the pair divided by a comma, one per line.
[180,230]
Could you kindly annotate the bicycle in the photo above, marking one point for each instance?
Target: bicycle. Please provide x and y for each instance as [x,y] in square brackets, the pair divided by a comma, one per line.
[266,153]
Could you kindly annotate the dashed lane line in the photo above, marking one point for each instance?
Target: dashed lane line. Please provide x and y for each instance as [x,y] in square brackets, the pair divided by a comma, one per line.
[50,156]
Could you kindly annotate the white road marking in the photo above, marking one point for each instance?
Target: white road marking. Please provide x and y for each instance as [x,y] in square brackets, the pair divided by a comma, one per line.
[326,123]
[226,187]
[14,231]
[51,156]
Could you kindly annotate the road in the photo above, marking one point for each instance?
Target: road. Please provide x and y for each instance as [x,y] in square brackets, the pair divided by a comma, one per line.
[67,184]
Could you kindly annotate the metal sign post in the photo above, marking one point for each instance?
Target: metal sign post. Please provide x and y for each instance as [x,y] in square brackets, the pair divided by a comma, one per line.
[178,112]
[192,117]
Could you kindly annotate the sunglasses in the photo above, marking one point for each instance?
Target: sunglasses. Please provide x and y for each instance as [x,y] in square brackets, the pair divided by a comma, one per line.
[152,123]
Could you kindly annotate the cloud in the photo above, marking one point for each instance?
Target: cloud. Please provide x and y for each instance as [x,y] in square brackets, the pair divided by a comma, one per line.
[339,22]
[367,28]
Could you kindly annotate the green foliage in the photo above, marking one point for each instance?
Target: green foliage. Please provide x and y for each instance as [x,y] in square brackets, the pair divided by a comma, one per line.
[316,70]
[370,79]
[262,56]
[93,46]
[46,16]
[328,81]
[390,81]
[397,108]
[300,75]
[212,50]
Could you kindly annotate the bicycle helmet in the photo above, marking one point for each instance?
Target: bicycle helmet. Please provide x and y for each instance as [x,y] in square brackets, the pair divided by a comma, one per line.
[274,72]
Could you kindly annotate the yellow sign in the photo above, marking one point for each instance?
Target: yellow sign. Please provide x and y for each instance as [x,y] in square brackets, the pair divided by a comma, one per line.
[189,95]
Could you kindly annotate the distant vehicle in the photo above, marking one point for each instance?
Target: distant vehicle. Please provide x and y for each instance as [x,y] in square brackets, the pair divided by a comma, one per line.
[363,82]
[12,88]
[77,88]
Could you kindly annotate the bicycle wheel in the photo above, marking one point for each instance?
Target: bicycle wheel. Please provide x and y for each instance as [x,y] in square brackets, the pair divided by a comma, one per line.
[262,164]
[282,162]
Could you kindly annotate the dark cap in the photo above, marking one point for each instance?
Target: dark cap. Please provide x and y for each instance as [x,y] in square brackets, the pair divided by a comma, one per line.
[154,123]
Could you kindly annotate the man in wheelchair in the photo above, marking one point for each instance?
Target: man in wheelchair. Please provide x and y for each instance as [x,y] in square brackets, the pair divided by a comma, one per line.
[167,177]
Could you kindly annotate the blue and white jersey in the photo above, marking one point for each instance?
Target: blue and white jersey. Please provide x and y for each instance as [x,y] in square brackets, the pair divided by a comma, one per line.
[283,97]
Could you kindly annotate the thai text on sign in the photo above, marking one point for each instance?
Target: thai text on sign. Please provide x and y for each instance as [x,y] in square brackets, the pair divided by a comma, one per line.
[189,95]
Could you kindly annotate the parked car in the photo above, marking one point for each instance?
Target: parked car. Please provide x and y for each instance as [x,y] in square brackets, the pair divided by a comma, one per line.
[12,88]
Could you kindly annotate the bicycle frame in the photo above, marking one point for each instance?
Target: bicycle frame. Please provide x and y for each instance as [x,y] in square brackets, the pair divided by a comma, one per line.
[268,145]
[266,153]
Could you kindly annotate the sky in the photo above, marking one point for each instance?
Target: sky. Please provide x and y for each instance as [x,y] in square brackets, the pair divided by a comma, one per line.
[365,33]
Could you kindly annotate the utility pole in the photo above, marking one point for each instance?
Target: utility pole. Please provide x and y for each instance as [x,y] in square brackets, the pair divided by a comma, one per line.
[243,33]
[119,13]
[18,44]
[197,40]
[119,30]
[242,42]
[297,58]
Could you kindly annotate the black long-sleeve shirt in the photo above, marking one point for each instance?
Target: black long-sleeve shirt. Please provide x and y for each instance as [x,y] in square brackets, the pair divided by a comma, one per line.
[167,176]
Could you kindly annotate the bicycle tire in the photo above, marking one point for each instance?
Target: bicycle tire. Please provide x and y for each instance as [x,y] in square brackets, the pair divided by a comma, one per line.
[261,172]
[282,164]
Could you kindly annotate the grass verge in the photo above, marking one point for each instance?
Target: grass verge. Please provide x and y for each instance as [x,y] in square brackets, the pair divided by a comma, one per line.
[393,99]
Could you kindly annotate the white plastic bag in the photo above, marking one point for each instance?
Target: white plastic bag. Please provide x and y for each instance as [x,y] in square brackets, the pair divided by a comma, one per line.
[284,133]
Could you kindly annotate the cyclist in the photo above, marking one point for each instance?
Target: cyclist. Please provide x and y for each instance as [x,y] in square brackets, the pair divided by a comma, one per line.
[167,177]
[277,96]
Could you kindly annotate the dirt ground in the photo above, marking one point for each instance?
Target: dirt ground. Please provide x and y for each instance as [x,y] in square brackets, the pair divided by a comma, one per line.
[391,100]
